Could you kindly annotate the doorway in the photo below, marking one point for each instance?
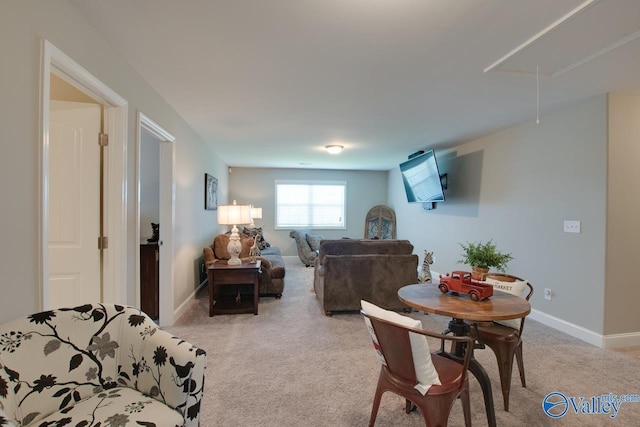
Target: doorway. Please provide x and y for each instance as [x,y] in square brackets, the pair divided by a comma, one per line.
[155,151]
[75,275]
[114,108]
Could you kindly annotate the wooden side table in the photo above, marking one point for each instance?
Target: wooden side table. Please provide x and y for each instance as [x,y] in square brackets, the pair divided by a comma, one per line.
[220,274]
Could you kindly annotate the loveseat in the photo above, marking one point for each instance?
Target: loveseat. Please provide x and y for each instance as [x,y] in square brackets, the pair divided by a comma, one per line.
[349,270]
[308,244]
[271,280]
[97,365]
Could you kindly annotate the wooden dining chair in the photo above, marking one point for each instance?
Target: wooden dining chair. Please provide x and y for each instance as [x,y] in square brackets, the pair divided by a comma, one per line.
[398,375]
[505,341]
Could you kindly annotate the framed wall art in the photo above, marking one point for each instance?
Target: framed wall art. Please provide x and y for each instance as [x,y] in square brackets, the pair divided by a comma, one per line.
[210,192]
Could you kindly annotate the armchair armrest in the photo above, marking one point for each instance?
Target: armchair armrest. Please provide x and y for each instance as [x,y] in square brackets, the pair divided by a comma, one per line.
[164,367]
[265,265]
[5,421]
[209,256]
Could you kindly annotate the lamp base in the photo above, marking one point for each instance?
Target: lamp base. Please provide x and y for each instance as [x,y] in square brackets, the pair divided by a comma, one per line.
[234,261]
[234,247]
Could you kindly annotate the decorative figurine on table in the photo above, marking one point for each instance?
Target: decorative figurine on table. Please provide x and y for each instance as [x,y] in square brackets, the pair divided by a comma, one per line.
[460,282]
[156,233]
[425,274]
[254,251]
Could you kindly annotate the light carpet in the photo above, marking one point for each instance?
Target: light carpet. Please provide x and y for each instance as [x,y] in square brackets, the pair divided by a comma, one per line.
[293,366]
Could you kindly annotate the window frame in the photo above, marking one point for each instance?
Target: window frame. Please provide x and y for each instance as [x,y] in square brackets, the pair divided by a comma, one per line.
[309,182]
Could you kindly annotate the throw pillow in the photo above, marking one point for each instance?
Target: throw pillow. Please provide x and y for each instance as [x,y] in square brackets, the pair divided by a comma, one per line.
[222,240]
[257,233]
[513,288]
[220,246]
[426,373]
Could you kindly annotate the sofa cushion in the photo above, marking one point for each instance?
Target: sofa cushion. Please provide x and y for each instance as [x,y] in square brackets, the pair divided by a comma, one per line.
[426,373]
[118,406]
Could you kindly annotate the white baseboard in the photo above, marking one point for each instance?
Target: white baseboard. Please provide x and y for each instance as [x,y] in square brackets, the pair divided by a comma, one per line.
[183,307]
[567,327]
[631,339]
[594,338]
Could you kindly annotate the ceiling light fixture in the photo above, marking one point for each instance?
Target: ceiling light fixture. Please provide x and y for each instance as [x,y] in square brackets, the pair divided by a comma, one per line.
[334,149]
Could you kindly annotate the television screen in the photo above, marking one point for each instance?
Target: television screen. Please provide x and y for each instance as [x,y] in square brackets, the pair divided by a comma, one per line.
[421,179]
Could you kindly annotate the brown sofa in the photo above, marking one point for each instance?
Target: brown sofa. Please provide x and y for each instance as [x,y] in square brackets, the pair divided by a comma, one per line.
[272,277]
[347,271]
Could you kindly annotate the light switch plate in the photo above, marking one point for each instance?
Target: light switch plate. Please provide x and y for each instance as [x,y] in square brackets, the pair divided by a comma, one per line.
[572,226]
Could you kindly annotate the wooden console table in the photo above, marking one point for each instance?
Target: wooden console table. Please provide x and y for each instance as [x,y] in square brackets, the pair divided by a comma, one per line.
[220,275]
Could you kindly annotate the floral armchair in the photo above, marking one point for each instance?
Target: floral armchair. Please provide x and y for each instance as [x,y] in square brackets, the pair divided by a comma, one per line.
[97,365]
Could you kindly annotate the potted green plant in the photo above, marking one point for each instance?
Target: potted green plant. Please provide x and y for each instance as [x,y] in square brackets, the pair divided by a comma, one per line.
[482,257]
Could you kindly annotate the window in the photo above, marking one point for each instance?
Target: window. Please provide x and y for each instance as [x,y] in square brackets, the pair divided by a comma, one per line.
[310,204]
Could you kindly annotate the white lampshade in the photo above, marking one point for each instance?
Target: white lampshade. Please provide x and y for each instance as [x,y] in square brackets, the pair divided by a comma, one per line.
[256,212]
[234,214]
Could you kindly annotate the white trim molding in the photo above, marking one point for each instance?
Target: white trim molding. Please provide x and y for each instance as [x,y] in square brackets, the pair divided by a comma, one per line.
[584,334]
[115,117]
[167,314]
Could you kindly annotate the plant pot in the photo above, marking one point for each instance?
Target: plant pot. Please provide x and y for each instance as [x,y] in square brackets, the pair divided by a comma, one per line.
[478,273]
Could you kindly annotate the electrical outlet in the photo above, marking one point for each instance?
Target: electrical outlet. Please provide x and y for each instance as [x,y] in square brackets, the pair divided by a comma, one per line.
[547,294]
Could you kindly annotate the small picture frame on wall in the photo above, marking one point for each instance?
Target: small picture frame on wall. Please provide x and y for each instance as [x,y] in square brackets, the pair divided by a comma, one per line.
[210,192]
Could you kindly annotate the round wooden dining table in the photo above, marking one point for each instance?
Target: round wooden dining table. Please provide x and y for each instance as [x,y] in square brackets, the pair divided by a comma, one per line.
[500,306]
[465,312]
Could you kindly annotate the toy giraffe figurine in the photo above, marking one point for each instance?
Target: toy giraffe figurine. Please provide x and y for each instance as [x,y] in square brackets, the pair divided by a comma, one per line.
[253,251]
[425,274]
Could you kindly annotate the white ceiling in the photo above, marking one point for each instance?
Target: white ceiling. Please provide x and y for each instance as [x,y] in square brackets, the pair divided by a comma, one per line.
[270,82]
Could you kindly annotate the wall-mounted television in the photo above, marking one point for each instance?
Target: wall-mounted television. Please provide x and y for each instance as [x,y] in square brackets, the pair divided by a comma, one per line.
[421,178]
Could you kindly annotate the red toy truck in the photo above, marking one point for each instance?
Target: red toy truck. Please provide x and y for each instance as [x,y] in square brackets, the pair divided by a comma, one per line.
[460,281]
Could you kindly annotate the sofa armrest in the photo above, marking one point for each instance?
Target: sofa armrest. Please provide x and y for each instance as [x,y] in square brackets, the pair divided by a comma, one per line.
[209,257]
[163,366]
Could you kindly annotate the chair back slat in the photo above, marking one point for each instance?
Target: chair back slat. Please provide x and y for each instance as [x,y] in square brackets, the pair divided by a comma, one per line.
[396,349]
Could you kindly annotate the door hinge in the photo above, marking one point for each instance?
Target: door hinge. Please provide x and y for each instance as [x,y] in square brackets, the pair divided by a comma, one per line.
[103,139]
[103,242]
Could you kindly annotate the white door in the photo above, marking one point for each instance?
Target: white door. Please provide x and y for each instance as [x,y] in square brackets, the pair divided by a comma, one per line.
[74,204]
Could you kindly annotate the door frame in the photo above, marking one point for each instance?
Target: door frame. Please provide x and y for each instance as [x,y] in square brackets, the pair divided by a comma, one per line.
[115,110]
[166,219]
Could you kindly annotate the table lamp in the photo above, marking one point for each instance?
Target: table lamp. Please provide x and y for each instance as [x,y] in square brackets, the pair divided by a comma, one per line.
[232,215]
[255,213]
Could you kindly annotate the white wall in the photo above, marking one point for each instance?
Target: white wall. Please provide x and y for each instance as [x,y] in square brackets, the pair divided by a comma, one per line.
[149,183]
[23,25]
[365,189]
[517,187]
